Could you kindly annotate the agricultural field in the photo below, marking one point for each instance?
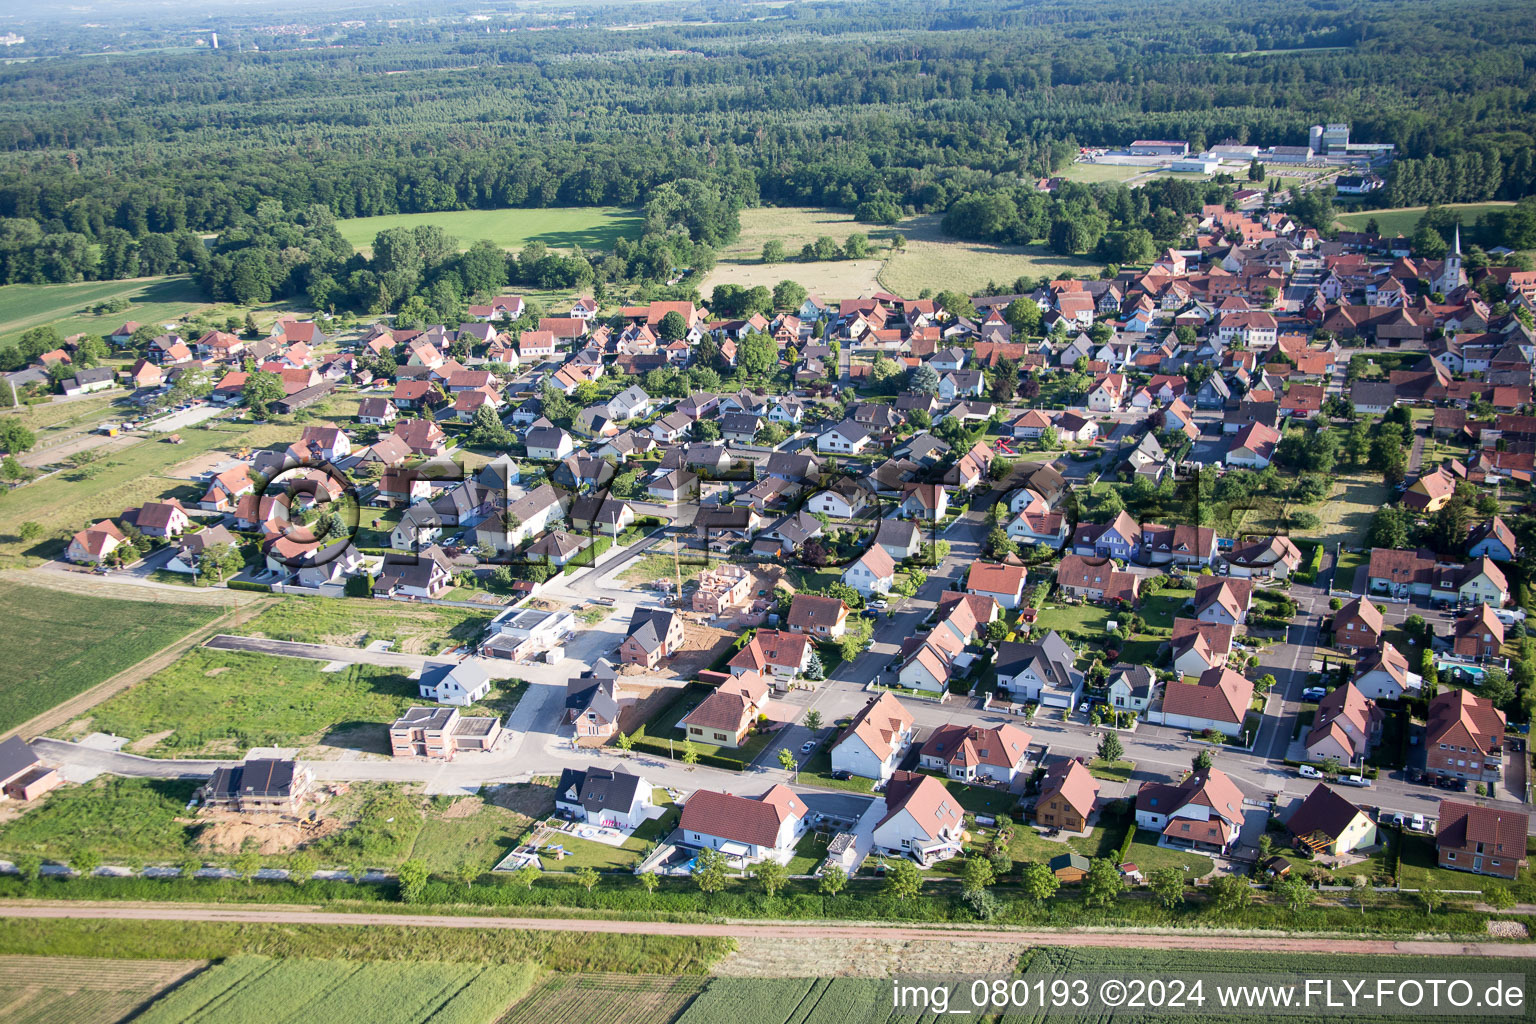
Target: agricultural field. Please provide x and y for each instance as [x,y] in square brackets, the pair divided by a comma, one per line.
[77,990]
[412,629]
[152,300]
[609,998]
[591,227]
[1403,220]
[61,644]
[259,990]
[798,1000]
[1048,962]
[219,703]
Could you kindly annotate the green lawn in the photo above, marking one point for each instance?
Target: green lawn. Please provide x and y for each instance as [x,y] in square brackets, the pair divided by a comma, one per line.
[450,837]
[1148,857]
[62,644]
[222,702]
[1085,619]
[818,772]
[591,227]
[1344,569]
[1113,771]
[664,726]
[1418,868]
[977,799]
[1091,173]
[1404,221]
[810,851]
[151,301]
[358,622]
[1160,609]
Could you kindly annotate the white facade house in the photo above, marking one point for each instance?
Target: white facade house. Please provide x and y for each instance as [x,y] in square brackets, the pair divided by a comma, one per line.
[460,683]
[873,573]
[876,739]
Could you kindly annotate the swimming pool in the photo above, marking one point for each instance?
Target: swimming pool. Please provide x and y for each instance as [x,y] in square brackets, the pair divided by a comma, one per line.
[1475,672]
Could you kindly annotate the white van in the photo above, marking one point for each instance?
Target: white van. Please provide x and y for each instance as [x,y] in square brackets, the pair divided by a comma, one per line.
[1306,771]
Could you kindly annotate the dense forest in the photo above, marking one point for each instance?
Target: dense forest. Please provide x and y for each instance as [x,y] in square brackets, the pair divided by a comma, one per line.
[112,166]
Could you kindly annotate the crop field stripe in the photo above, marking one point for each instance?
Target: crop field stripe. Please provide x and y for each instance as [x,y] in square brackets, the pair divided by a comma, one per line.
[747,1001]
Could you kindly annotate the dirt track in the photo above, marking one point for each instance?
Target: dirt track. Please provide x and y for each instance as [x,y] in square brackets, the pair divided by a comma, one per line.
[1118,939]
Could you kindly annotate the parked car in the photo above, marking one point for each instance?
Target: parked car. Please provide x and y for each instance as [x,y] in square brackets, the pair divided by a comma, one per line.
[1356,780]
[1399,819]
[1306,771]
[1417,823]
[842,775]
[1314,693]
[807,746]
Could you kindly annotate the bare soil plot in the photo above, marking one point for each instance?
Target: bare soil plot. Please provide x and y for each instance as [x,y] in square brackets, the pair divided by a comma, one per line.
[701,646]
[872,957]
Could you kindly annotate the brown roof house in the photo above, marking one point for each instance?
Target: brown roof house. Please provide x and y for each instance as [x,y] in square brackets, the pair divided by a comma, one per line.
[654,634]
[970,752]
[726,716]
[1067,796]
[1382,674]
[922,820]
[1347,724]
[1218,700]
[1357,625]
[93,544]
[823,618]
[1465,736]
[1198,646]
[1204,812]
[1326,823]
[779,655]
[1483,840]
[1001,582]
[1218,599]
[875,739]
[745,829]
[1479,636]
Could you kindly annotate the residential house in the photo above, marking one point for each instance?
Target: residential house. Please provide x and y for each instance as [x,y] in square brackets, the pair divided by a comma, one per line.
[424,574]
[725,718]
[1131,687]
[654,634]
[1197,646]
[875,740]
[378,412]
[1218,700]
[189,555]
[1219,599]
[258,786]
[1253,447]
[23,776]
[967,753]
[423,437]
[822,618]
[844,499]
[159,518]
[548,442]
[1096,580]
[1068,793]
[1327,824]
[1190,546]
[874,572]
[1482,840]
[1345,726]
[1119,538]
[1358,624]
[1479,636]
[1492,539]
[924,501]
[1203,813]
[1040,670]
[1431,491]
[922,820]
[608,797]
[1002,582]
[1274,556]
[778,654]
[460,683]
[1382,674]
[1108,393]
[92,545]
[745,829]
[438,734]
[845,438]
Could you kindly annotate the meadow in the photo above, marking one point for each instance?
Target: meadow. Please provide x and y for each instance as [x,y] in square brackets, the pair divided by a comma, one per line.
[1404,219]
[77,990]
[121,820]
[61,644]
[209,940]
[1090,173]
[261,990]
[928,260]
[591,227]
[222,702]
[413,629]
[152,300]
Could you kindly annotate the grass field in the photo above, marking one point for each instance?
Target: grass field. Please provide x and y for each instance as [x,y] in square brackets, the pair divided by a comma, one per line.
[470,830]
[77,990]
[62,644]
[928,260]
[260,990]
[800,1001]
[413,629]
[152,300]
[221,702]
[609,998]
[1090,173]
[121,819]
[591,227]
[557,951]
[1403,219]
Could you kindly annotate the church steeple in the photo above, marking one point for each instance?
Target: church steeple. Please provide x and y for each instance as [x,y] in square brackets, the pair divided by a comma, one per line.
[1456,246]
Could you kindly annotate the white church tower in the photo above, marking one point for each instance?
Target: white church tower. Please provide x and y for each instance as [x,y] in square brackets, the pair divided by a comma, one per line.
[1451,276]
